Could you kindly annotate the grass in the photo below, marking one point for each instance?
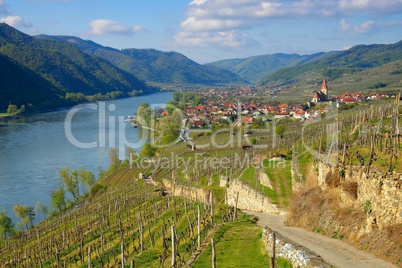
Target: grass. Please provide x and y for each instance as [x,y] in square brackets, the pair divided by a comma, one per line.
[283,263]
[236,245]
[281,178]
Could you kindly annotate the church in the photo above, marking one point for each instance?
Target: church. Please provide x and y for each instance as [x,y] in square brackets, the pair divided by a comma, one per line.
[322,95]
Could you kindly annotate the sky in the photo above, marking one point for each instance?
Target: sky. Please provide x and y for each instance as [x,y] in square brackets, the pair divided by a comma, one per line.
[211,30]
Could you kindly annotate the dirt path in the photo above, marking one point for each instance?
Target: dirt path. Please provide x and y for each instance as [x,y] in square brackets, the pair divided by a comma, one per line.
[333,251]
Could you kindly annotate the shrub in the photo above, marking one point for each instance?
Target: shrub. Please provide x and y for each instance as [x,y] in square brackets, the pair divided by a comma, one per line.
[97,188]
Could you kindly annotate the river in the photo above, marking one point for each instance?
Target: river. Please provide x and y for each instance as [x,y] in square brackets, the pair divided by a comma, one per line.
[34,147]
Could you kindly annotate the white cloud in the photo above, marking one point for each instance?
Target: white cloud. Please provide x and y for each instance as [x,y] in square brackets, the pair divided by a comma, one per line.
[194,24]
[16,21]
[206,18]
[387,6]
[105,27]
[357,29]
[197,2]
[223,39]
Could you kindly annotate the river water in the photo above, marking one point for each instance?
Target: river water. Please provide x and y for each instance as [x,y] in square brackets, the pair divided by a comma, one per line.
[34,148]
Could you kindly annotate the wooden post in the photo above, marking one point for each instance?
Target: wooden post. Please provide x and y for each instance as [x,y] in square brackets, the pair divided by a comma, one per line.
[173,246]
[122,254]
[213,253]
[272,253]
[235,211]
[190,225]
[151,237]
[199,227]
[211,196]
[89,257]
[141,231]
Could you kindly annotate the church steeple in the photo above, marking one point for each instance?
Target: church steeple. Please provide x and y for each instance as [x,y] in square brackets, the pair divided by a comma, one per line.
[324,87]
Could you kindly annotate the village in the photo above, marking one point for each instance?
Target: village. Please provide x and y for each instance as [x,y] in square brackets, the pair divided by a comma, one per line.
[216,107]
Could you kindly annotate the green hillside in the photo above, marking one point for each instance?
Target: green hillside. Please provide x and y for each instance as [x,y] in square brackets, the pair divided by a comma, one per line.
[356,59]
[66,67]
[154,66]
[256,68]
[33,89]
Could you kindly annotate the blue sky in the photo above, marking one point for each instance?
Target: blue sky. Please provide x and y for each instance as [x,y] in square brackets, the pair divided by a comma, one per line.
[209,30]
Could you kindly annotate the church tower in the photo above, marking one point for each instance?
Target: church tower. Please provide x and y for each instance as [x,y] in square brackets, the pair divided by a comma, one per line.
[324,88]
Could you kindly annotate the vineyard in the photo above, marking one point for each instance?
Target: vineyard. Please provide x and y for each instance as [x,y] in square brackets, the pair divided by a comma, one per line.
[129,223]
[130,219]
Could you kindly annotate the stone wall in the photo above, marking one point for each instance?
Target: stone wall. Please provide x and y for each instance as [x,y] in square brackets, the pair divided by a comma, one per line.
[379,192]
[264,180]
[223,181]
[192,193]
[299,256]
[249,199]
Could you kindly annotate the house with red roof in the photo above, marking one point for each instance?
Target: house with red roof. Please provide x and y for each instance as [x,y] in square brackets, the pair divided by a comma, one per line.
[248,120]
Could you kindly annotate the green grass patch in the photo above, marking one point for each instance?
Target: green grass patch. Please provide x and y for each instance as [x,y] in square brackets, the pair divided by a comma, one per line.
[280,176]
[237,244]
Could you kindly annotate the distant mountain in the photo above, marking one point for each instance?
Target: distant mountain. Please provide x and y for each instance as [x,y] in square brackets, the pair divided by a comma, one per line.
[64,66]
[256,68]
[337,65]
[21,86]
[153,65]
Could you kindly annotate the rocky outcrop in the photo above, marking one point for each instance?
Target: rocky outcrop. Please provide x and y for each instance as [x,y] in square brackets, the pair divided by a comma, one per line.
[379,193]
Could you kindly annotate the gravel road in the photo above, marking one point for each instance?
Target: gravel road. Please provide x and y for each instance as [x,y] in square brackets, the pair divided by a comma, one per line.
[333,251]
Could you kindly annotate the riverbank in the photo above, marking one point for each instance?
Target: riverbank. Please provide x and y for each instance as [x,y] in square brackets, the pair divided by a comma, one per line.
[4,118]
[32,153]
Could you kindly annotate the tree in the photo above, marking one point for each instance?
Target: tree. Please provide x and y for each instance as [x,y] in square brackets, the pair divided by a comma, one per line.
[6,225]
[12,109]
[169,126]
[21,211]
[58,197]
[176,116]
[43,208]
[70,180]
[147,151]
[114,158]
[86,177]
[280,130]
[141,107]
[177,96]
[129,151]
[76,179]
[168,139]
[144,114]
[31,215]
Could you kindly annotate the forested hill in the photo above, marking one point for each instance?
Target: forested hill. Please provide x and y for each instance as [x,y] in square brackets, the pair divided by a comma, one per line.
[256,68]
[22,86]
[352,61]
[152,65]
[64,66]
